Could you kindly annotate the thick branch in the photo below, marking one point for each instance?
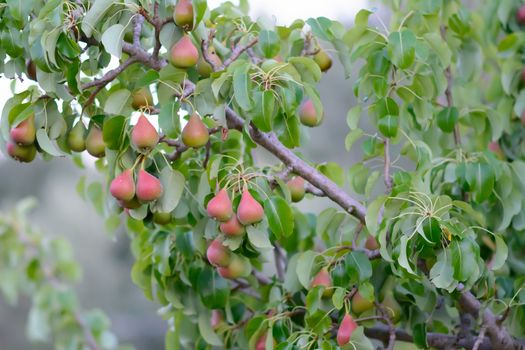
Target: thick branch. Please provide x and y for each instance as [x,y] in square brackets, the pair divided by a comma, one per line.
[435,340]
[499,337]
[387,167]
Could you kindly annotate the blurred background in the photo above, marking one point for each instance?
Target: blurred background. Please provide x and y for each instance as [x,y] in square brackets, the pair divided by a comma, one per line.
[62,212]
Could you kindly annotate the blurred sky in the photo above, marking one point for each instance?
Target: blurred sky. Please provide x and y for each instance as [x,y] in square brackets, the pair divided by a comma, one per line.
[284,12]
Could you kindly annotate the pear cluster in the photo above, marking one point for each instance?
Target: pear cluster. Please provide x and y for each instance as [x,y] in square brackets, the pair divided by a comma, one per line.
[22,146]
[249,211]
[229,265]
[128,192]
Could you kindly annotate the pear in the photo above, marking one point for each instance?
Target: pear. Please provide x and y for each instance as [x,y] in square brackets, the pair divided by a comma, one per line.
[239,266]
[149,187]
[95,142]
[123,186]
[144,135]
[261,342]
[195,133]
[323,60]
[220,206]
[31,70]
[308,114]
[183,14]
[392,307]
[297,189]
[24,154]
[360,304]
[371,243]
[495,148]
[162,218]
[24,133]
[232,227]
[218,254]
[184,54]
[323,279]
[131,204]
[204,68]
[346,328]
[249,210]
[141,99]
[76,138]
[520,15]
[216,319]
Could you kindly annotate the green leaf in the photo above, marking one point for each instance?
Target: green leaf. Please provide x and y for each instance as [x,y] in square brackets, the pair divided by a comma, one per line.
[112,39]
[502,252]
[358,266]
[169,119]
[94,15]
[258,237]
[118,102]
[321,27]
[114,131]
[388,125]
[372,214]
[403,257]
[304,266]
[307,68]
[338,298]
[280,216]
[46,144]
[173,183]
[401,48]
[242,85]
[213,289]
[207,332]
[264,110]
[352,137]
[353,116]
[442,274]
[269,43]
[447,119]
[333,171]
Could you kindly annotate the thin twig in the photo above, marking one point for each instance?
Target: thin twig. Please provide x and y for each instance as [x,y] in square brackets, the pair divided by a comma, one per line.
[387,175]
[237,51]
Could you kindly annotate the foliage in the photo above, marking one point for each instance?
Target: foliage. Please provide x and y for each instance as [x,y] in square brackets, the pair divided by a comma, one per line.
[441,88]
[43,267]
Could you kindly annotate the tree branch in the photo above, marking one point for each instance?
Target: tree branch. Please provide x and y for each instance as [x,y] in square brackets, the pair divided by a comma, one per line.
[237,51]
[498,335]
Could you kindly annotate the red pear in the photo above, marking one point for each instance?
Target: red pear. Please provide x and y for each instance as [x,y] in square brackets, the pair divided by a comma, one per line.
[308,114]
[24,154]
[183,14]
[297,188]
[347,327]
[232,227]
[216,318]
[195,133]
[371,243]
[24,133]
[95,142]
[184,54]
[218,254]
[123,186]
[149,187]
[323,279]
[144,135]
[31,70]
[261,342]
[520,15]
[495,148]
[239,266]
[249,210]
[220,206]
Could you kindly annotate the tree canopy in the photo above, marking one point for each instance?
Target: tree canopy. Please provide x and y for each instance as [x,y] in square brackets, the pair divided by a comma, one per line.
[423,241]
